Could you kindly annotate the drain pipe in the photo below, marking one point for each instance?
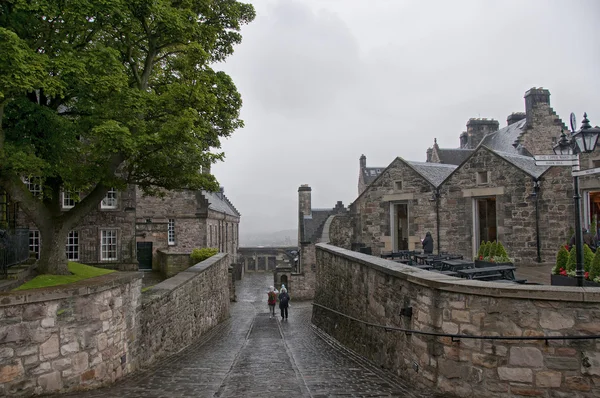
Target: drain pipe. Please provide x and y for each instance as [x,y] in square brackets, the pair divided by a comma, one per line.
[436,192]
[535,194]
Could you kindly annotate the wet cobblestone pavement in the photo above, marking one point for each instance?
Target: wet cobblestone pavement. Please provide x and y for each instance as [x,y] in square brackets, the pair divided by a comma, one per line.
[251,355]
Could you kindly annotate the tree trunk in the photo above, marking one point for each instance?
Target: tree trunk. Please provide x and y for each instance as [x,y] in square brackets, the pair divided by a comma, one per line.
[53,259]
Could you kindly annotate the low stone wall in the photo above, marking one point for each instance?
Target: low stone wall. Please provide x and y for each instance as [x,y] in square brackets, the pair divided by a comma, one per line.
[59,338]
[94,332]
[376,290]
[178,310]
[171,263]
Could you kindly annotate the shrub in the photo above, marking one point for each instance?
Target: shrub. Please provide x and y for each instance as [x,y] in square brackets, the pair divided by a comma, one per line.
[501,251]
[562,257]
[588,256]
[486,249]
[572,261]
[480,252]
[199,255]
[595,268]
[493,248]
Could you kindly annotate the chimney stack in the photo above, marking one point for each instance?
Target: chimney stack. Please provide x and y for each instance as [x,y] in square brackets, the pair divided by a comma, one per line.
[363,161]
[515,117]
[477,129]
[304,201]
[535,98]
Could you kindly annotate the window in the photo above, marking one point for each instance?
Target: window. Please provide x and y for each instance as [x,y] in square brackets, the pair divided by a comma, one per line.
[398,185]
[34,242]
[482,177]
[34,184]
[108,244]
[72,248]
[68,199]
[171,231]
[110,200]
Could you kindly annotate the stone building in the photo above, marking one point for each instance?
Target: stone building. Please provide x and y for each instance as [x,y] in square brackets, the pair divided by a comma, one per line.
[183,220]
[487,189]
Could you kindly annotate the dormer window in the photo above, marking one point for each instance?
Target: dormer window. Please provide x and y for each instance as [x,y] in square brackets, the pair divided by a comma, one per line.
[482,177]
[110,200]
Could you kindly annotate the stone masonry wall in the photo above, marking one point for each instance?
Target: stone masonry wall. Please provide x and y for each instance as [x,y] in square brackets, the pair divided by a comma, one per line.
[57,339]
[375,290]
[179,310]
[171,263]
[341,231]
[302,285]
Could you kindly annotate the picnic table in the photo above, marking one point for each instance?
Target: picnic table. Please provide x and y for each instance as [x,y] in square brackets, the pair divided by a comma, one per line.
[402,260]
[455,265]
[421,258]
[489,273]
[448,273]
[423,266]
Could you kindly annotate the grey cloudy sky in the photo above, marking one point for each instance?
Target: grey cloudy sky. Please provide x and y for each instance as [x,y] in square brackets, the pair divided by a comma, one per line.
[324,81]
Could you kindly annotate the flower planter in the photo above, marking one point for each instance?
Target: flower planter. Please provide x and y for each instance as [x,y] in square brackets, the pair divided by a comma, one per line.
[483,264]
[561,280]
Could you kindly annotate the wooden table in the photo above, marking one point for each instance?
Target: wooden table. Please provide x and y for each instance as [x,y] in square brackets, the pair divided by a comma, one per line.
[448,273]
[455,265]
[401,260]
[422,266]
[499,272]
[421,258]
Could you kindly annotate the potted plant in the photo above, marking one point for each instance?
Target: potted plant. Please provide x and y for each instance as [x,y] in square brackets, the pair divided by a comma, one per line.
[563,273]
[492,254]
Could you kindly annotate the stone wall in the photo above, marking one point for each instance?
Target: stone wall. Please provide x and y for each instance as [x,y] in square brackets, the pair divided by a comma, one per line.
[94,332]
[341,230]
[376,290]
[171,263]
[55,339]
[302,284]
[177,311]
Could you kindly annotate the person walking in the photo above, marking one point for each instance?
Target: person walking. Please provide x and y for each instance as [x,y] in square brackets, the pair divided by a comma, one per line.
[428,243]
[271,300]
[284,302]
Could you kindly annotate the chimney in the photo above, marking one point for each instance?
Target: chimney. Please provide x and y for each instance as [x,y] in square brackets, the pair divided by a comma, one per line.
[515,117]
[429,152]
[464,140]
[339,208]
[478,128]
[535,98]
[304,204]
[363,161]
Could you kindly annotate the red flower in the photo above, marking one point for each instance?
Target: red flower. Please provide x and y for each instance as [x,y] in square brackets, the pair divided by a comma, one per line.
[481,257]
[567,247]
[563,272]
[586,275]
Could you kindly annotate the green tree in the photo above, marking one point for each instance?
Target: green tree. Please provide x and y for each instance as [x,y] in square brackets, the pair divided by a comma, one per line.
[562,257]
[105,93]
[486,249]
[501,251]
[588,256]
[481,250]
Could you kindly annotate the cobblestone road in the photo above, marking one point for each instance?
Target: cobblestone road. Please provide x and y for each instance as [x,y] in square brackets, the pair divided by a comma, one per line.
[251,355]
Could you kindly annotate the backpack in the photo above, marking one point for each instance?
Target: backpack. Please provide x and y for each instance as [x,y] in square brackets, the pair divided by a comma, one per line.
[283,300]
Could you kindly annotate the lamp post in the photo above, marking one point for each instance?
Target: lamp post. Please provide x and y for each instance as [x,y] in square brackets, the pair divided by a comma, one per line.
[582,141]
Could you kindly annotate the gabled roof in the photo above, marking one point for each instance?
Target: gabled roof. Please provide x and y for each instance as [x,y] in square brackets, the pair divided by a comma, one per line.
[453,156]
[313,224]
[371,173]
[219,202]
[525,163]
[435,173]
[506,138]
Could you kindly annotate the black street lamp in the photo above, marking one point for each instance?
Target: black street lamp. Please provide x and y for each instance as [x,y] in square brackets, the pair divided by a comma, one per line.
[582,141]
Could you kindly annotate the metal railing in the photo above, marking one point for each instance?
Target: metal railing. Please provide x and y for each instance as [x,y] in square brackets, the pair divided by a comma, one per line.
[458,337]
[14,248]
[93,254]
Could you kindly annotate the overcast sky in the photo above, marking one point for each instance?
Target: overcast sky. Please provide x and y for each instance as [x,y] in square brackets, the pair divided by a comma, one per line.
[324,81]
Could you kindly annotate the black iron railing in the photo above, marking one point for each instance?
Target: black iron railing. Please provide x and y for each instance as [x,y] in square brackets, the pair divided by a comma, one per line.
[14,248]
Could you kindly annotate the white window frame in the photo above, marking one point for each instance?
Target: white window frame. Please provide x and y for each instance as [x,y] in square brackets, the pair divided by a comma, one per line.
[72,246]
[67,201]
[110,200]
[35,242]
[171,232]
[34,184]
[108,244]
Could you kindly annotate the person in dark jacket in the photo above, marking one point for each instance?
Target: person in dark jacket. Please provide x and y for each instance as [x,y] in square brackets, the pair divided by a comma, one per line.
[428,243]
[284,302]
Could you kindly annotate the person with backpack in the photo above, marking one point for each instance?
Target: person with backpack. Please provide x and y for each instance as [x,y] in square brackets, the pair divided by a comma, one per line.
[284,302]
[271,300]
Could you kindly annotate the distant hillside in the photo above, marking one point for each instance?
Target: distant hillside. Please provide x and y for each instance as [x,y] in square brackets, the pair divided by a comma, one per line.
[288,237]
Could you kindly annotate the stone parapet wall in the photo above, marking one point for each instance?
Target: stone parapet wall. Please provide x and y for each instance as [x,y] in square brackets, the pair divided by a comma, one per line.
[172,263]
[94,332]
[65,339]
[341,231]
[375,290]
[178,310]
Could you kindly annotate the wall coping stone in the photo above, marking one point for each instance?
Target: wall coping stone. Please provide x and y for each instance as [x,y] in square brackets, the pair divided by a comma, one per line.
[456,285]
[80,288]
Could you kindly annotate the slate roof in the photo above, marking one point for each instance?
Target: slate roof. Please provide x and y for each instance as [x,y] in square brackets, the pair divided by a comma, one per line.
[371,173]
[219,202]
[525,163]
[313,224]
[504,139]
[435,173]
[453,156]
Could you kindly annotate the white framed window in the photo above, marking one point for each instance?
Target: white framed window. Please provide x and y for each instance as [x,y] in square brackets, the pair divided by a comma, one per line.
[72,247]
[34,242]
[68,199]
[171,231]
[34,184]
[108,244]
[110,200]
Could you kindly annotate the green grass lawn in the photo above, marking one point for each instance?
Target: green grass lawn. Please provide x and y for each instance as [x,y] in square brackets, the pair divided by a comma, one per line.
[79,271]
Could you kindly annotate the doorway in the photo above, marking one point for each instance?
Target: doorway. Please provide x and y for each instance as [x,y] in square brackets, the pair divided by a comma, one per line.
[144,255]
[485,221]
[400,226]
